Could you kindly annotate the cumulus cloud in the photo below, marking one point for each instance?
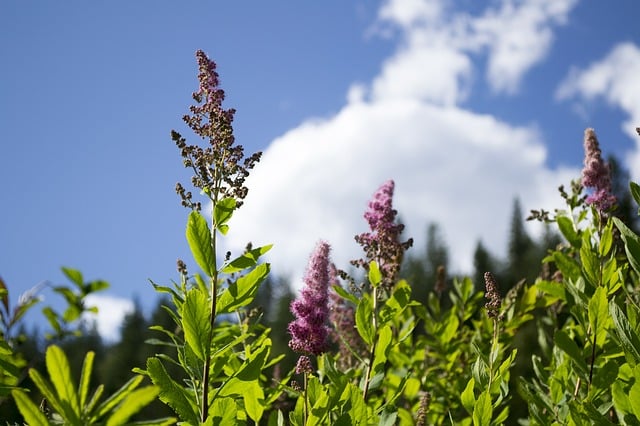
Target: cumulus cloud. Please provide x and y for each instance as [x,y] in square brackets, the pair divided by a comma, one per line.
[515,36]
[111,312]
[451,165]
[615,79]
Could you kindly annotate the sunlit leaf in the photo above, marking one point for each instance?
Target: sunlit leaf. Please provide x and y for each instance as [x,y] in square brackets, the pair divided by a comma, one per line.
[133,403]
[364,320]
[242,291]
[60,375]
[31,413]
[247,260]
[196,322]
[199,239]
[222,212]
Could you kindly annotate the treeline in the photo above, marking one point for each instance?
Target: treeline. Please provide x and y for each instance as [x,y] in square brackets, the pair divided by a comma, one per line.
[426,270]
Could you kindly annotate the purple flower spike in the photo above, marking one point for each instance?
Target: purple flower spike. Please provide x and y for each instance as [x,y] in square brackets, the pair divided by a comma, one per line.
[382,244]
[309,331]
[596,174]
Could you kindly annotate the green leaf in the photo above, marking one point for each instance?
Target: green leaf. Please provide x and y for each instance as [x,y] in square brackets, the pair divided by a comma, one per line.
[375,277]
[634,188]
[345,294]
[634,395]
[631,244]
[222,212]
[567,265]
[85,377]
[242,291]
[224,411]
[253,397]
[196,322]
[172,393]
[482,410]
[590,263]
[133,403]
[364,319]
[49,394]
[246,261]
[467,397]
[628,337]
[113,400]
[199,239]
[552,288]
[564,342]
[60,375]
[32,414]
[74,276]
[568,230]
[385,336]
[599,314]
[606,240]
[395,304]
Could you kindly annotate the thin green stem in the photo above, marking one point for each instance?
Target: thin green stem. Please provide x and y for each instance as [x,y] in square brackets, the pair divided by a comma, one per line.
[372,352]
[212,318]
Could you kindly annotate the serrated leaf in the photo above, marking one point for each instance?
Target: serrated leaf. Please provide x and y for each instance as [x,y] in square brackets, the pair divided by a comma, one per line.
[631,244]
[172,393]
[242,291]
[606,240]
[32,414]
[628,337]
[222,212]
[199,239]
[247,260]
[223,411]
[364,320]
[132,404]
[567,265]
[196,322]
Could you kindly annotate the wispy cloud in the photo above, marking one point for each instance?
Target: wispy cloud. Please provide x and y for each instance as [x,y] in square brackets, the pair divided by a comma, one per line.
[613,78]
[451,165]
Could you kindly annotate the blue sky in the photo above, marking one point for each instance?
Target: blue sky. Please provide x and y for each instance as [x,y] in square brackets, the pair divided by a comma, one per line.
[464,104]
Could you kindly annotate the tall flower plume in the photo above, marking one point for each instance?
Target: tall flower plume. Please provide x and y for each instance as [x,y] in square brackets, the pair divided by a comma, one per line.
[309,330]
[596,174]
[383,244]
[220,169]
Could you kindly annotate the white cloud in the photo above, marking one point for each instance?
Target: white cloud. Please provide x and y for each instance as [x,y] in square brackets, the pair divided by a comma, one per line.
[515,35]
[111,312]
[451,165]
[614,78]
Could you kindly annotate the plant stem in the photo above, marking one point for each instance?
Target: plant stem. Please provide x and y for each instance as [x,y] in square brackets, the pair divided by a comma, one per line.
[372,353]
[212,319]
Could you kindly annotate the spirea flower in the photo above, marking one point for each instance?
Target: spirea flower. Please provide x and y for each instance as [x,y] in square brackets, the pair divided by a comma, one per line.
[221,168]
[383,244]
[492,295]
[309,331]
[596,174]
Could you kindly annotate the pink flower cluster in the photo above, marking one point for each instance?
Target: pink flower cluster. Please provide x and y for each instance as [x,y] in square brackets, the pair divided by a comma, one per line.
[596,174]
[382,244]
[309,330]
